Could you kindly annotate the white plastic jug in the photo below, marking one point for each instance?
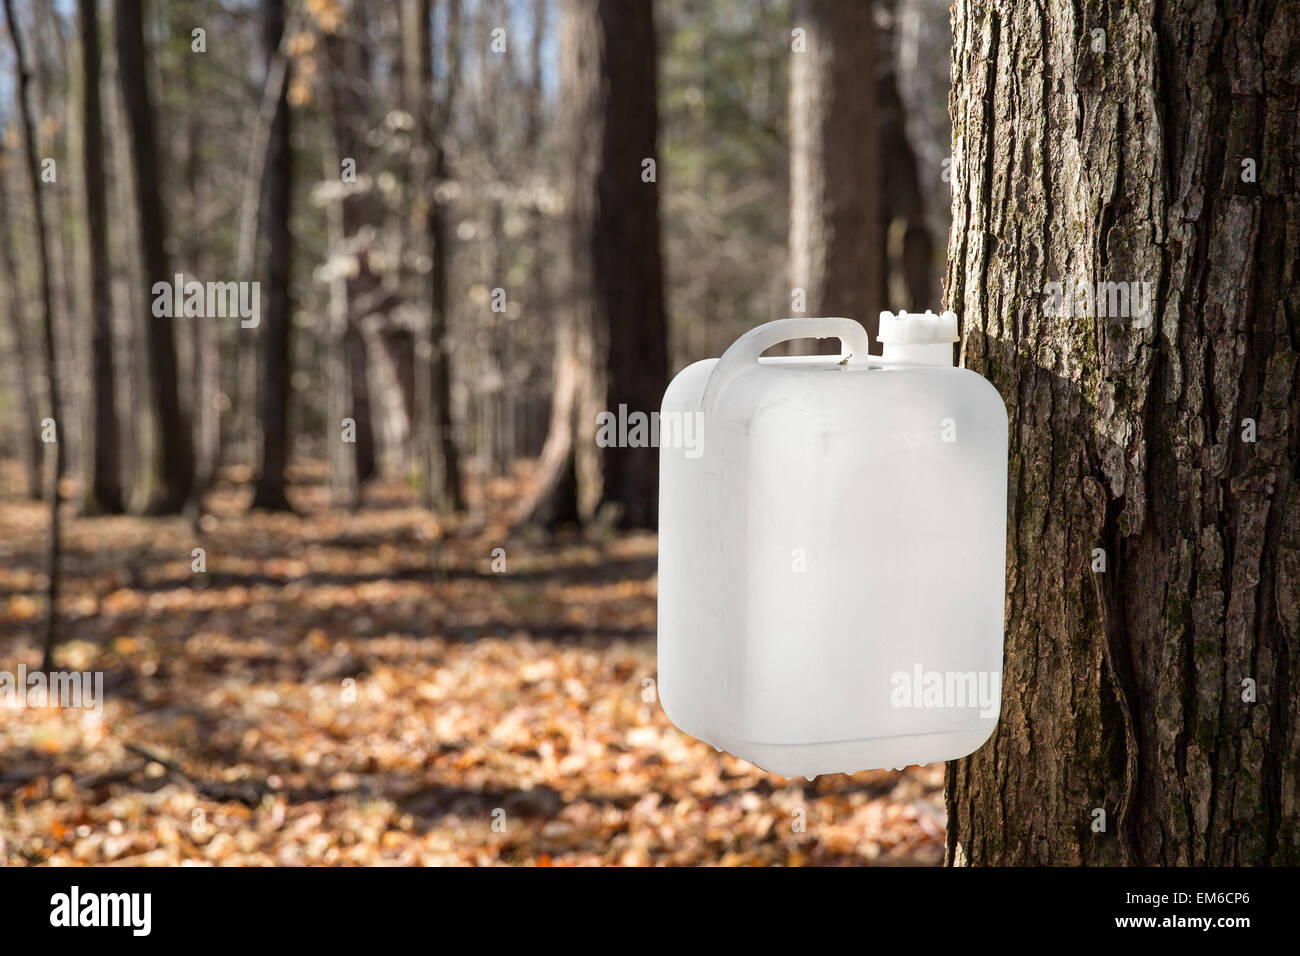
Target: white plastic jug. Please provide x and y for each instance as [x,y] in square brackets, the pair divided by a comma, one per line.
[832,549]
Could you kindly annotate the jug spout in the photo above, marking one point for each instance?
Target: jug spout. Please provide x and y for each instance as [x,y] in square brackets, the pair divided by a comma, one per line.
[918,339]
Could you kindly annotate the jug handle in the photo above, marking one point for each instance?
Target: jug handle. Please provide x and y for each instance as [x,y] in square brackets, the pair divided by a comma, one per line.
[744,352]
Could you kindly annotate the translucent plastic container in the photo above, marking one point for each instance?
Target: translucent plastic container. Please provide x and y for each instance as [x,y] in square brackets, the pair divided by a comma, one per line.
[832,549]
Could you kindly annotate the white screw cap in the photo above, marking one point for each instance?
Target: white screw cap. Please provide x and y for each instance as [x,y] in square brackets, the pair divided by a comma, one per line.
[918,329]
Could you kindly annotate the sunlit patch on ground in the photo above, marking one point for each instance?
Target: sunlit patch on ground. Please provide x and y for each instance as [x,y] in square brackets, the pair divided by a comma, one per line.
[362,688]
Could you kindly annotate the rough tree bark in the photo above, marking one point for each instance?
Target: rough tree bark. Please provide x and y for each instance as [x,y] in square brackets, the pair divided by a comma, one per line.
[834,186]
[273,408]
[104,489]
[174,458]
[55,472]
[615,332]
[1137,143]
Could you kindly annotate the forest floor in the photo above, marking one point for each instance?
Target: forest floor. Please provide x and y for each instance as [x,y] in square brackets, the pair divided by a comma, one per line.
[363,688]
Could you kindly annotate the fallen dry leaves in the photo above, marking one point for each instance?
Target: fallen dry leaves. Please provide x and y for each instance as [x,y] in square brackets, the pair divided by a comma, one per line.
[361,688]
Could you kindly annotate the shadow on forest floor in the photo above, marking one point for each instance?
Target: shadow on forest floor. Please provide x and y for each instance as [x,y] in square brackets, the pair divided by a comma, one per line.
[361,687]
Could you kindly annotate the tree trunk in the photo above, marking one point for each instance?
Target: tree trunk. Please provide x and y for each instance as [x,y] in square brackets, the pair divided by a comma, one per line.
[25,424]
[452,495]
[131,308]
[349,79]
[834,182]
[532,399]
[923,44]
[553,500]
[1151,143]
[440,465]
[365,460]
[105,483]
[47,325]
[204,340]
[905,251]
[618,221]
[273,407]
[175,459]
[344,487]
[53,115]
[616,330]
[243,380]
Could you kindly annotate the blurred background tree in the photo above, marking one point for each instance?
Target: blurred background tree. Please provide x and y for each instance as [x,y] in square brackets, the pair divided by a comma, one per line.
[474,224]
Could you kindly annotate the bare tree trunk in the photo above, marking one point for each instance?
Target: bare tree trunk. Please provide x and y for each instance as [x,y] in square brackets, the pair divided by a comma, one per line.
[443,489]
[175,469]
[834,161]
[105,482]
[922,49]
[440,307]
[47,324]
[344,487]
[348,111]
[25,384]
[452,495]
[615,331]
[905,247]
[53,102]
[244,377]
[276,344]
[204,365]
[131,306]
[492,386]
[622,238]
[1153,574]
[531,401]
[349,77]
[354,347]
[554,498]
[415,51]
